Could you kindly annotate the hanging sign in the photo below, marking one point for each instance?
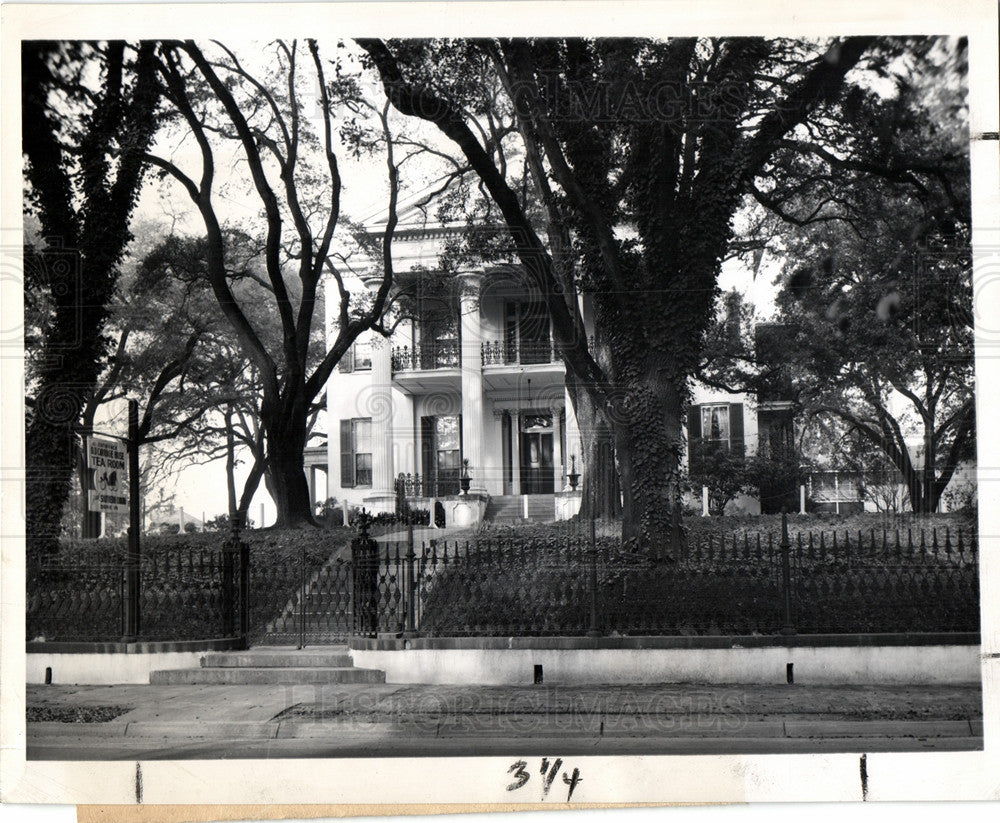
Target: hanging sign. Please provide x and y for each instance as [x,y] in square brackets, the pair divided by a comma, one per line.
[109,462]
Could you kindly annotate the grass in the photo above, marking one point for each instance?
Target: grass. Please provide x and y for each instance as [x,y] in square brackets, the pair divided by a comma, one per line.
[702,527]
[74,714]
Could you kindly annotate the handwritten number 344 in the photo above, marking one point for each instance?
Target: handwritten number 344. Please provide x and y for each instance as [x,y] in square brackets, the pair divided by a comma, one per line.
[548,773]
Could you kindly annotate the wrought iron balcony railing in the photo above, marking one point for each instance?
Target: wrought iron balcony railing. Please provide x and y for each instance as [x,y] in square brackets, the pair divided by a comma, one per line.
[409,486]
[441,354]
[514,353]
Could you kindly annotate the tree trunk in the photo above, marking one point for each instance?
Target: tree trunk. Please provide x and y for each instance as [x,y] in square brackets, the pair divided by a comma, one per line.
[601,492]
[49,448]
[249,489]
[285,431]
[90,522]
[649,443]
[231,466]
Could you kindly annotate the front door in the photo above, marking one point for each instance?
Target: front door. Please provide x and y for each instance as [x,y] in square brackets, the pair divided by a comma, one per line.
[537,469]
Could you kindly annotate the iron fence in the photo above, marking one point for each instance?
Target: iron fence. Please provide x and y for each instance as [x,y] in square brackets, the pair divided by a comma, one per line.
[183,595]
[914,580]
[807,583]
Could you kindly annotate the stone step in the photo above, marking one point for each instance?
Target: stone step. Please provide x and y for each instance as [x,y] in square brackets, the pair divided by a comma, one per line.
[276,659]
[225,676]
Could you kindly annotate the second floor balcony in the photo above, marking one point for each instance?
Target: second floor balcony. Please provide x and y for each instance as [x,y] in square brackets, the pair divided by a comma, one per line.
[517,352]
[438,354]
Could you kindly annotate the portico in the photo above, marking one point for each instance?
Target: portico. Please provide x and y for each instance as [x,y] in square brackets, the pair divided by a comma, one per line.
[485,395]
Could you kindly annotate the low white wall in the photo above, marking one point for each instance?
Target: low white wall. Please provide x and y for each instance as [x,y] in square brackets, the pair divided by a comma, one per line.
[818,665]
[106,669]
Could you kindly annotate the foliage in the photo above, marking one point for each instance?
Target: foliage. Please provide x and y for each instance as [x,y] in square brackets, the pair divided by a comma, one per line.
[725,475]
[291,169]
[746,119]
[875,294]
[89,112]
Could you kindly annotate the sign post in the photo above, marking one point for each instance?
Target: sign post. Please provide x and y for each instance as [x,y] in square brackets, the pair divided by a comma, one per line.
[131,628]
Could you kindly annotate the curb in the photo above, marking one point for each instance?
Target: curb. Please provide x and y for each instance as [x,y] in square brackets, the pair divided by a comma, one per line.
[395,730]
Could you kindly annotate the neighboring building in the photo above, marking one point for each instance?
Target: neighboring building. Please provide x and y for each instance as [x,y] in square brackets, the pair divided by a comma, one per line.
[747,424]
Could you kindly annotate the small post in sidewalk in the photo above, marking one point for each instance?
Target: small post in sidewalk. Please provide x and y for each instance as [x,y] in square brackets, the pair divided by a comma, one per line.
[593,631]
[130,631]
[786,575]
[410,583]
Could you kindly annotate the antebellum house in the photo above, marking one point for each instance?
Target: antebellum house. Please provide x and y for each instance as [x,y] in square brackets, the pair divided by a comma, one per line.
[478,382]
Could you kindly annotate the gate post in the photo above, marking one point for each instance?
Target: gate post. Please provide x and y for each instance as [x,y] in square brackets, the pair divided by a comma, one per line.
[594,630]
[244,591]
[229,549]
[786,576]
[364,580]
[410,584]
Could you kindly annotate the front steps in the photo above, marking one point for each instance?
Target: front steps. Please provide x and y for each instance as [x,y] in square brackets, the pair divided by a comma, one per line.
[271,666]
[509,508]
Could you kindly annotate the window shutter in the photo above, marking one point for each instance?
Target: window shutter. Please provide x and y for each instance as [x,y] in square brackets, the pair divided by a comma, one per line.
[694,423]
[736,430]
[427,447]
[696,455]
[346,454]
[346,364]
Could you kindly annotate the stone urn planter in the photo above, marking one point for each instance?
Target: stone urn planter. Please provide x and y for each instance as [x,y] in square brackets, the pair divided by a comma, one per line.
[573,476]
[465,480]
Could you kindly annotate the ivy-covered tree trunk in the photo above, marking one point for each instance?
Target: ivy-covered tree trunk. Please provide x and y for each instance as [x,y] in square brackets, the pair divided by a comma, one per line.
[649,443]
[601,491]
[78,265]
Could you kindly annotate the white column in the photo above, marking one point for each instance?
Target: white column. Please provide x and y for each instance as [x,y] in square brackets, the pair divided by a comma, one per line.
[802,499]
[515,432]
[379,408]
[704,501]
[557,455]
[472,381]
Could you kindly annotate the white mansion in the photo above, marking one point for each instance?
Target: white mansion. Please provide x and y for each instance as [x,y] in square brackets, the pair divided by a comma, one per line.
[485,388]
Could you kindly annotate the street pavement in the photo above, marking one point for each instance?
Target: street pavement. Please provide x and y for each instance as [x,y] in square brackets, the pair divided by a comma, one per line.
[385,720]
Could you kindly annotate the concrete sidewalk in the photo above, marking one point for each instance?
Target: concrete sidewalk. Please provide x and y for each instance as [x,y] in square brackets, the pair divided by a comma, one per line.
[392,720]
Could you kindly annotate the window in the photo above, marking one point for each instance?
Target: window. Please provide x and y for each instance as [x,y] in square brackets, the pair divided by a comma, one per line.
[362,355]
[356,452]
[442,453]
[715,424]
[711,427]
[357,358]
[526,333]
